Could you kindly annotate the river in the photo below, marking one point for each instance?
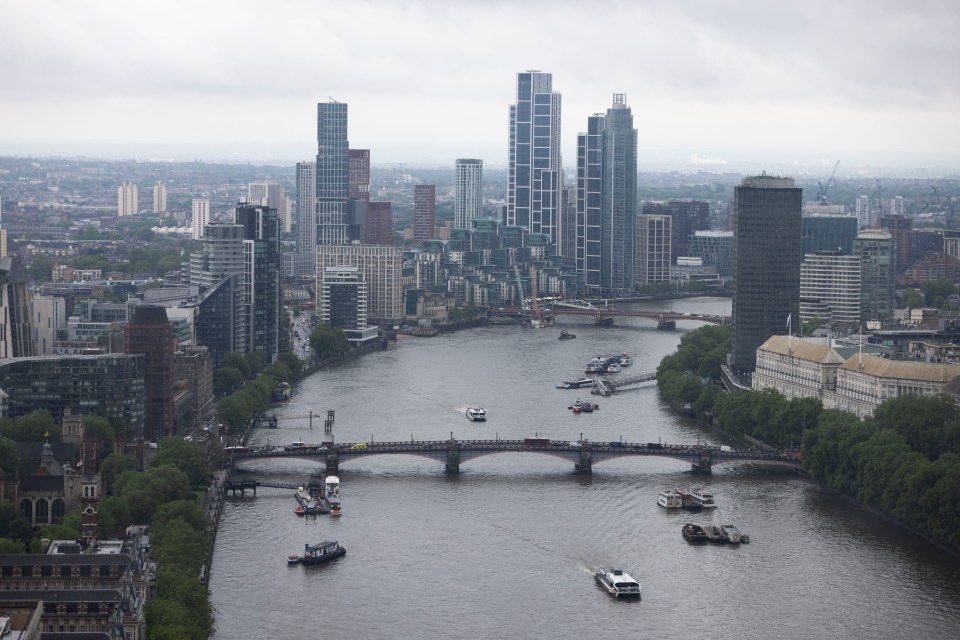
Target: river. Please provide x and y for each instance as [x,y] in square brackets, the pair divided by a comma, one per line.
[507,548]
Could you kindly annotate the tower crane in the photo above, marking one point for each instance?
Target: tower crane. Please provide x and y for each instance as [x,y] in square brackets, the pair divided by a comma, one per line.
[826,187]
[523,304]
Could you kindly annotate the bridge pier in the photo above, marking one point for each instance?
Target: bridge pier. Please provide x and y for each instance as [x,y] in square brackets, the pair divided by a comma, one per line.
[453,458]
[333,463]
[705,465]
[585,466]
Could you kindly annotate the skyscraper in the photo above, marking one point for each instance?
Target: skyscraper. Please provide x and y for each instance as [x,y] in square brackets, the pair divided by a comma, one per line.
[332,169]
[201,217]
[127,197]
[261,278]
[606,200]
[160,197]
[359,174]
[16,326]
[378,227]
[875,248]
[150,334]
[766,264]
[468,198]
[424,213]
[306,208]
[535,175]
[269,194]
[653,249]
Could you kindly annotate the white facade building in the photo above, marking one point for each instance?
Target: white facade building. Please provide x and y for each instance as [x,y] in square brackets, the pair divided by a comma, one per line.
[468,195]
[159,197]
[201,217]
[796,367]
[830,287]
[382,269]
[127,197]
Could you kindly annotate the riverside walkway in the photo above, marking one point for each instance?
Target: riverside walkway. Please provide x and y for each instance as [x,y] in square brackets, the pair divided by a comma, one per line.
[452,453]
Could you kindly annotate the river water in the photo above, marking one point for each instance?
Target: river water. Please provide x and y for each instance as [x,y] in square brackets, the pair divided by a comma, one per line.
[507,548]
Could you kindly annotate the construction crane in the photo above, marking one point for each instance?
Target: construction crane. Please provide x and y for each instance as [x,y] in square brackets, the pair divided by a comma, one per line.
[826,187]
[523,304]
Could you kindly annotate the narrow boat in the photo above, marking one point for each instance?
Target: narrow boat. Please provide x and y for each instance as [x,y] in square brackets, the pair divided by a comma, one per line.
[670,500]
[323,552]
[733,534]
[694,534]
[617,582]
[476,414]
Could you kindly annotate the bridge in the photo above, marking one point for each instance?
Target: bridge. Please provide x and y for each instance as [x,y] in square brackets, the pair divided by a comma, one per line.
[605,315]
[606,386]
[451,453]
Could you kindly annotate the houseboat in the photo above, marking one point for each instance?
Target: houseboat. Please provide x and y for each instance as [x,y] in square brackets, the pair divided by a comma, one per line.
[323,552]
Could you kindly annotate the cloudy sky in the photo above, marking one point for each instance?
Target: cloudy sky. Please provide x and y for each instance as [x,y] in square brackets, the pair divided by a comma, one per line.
[428,82]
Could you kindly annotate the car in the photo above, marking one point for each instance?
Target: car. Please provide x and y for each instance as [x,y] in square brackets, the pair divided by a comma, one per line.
[359,445]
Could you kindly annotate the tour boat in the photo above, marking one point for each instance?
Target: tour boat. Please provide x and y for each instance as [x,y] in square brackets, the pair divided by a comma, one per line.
[704,498]
[694,534]
[331,493]
[323,552]
[617,582]
[476,414]
[670,500]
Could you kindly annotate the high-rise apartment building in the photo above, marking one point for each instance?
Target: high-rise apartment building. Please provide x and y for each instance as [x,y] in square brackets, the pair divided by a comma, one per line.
[424,213]
[261,278]
[715,249]
[830,287]
[535,175]
[653,249]
[201,217]
[607,201]
[359,174]
[306,209]
[689,216]
[378,227]
[150,334]
[270,194]
[332,170]
[468,199]
[382,269]
[160,197]
[864,217]
[16,327]
[49,314]
[127,198]
[343,303]
[766,264]
[875,248]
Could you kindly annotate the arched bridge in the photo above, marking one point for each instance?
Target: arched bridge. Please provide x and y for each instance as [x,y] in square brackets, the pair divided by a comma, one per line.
[583,454]
[605,315]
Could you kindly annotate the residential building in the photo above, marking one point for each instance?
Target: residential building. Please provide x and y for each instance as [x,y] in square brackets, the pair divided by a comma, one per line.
[343,303]
[160,198]
[193,371]
[653,249]
[830,287]
[468,192]
[865,217]
[689,216]
[270,194]
[535,172]
[150,334]
[261,278]
[358,183]
[49,314]
[899,227]
[424,213]
[220,324]
[379,224]
[821,232]
[306,207]
[332,171]
[201,217]
[875,249]
[127,199]
[382,269]
[766,264]
[568,225]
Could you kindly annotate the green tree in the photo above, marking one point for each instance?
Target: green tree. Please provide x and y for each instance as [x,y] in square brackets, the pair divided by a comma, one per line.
[113,516]
[226,379]
[912,298]
[97,427]
[113,465]
[8,455]
[12,523]
[936,291]
[257,362]
[929,424]
[182,455]
[12,546]
[36,426]
[69,529]
[41,269]
[237,361]
[292,362]
[328,342]
[235,410]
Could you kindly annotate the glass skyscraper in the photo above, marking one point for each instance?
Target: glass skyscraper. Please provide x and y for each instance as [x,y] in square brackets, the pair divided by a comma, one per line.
[535,171]
[332,171]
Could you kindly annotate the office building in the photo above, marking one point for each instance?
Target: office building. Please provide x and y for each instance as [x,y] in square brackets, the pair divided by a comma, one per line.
[820,232]
[261,278]
[606,201]
[653,249]
[424,213]
[468,198]
[766,264]
[332,171]
[150,334]
[714,248]
[201,217]
[830,287]
[689,216]
[17,338]
[127,197]
[382,270]
[160,198]
[535,172]
[875,249]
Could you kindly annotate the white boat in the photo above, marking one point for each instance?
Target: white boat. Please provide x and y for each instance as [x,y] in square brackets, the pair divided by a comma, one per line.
[331,493]
[670,500]
[306,500]
[476,414]
[617,582]
[703,498]
[625,360]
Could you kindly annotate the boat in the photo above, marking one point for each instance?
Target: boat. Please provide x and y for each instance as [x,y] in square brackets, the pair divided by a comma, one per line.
[714,534]
[476,414]
[694,534]
[625,359]
[323,552]
[579,406]
[688,502]
[294,559]
[610,367]
[592,367]
[664,324]
[566,335]
[704,498]
[306,500]
[670,500]
[617,582]
[576,384]
[733,534]
[299,510]
[281,392]
[331,493]
[744,538]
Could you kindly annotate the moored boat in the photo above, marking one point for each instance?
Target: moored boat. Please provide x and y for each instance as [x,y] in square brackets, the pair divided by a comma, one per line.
[617,582]
[281,392]
[323,552]
[688,502]
[704,498]
[579,406]
[476,414]
[299,510]
[714,534]
[566,335]
[294,559]
[670,500]
[694,534]
[331,493]
[306,500]
[733,534]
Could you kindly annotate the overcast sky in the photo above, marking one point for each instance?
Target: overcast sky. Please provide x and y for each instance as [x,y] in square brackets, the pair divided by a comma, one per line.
[428,82]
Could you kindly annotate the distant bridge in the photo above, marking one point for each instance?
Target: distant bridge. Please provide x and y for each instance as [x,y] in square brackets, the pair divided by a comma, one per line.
[583,454]
[605,315]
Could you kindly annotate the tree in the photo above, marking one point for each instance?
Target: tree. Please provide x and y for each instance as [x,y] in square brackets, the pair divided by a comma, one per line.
[226,379]
[97,427]
[41,269]
[257,362]
[12,546]
[12,523]
[328,342]
[8,455]
[36,426]
[113,465]
[237,361]
[113,516]
[69,529]
[292,362]
[182,455]
[937,291]
[912,298]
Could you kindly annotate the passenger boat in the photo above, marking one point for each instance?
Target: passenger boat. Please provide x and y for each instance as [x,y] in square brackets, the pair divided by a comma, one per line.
[281,392]
[617,582]
[688,502]
[323,552]
[610,367]
[476,414]
[670,500]
[331,493]
[704,498]
[732,533]
[566,335]
[299,510]
[577,384]
[306,500]
[625,359]
[694,534]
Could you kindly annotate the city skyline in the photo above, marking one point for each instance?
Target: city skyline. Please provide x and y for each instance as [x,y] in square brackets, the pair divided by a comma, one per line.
[738,82]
